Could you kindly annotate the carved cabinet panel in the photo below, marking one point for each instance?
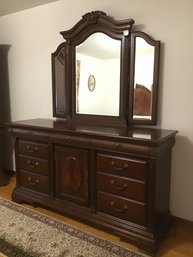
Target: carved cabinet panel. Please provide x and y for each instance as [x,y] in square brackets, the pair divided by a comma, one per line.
[72,174]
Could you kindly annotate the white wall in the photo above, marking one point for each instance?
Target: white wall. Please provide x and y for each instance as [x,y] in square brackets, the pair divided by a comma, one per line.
[34,34]
[106,79]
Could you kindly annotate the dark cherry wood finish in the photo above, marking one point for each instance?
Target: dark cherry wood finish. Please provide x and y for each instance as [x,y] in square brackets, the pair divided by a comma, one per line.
[64,75]
[114,178]
[64,66]
[72,174]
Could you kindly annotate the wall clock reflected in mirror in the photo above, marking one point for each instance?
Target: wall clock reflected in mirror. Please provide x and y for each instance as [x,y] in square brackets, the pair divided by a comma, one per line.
[91,82]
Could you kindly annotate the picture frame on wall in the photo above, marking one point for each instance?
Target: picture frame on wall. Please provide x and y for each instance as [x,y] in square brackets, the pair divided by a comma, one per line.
[91,83]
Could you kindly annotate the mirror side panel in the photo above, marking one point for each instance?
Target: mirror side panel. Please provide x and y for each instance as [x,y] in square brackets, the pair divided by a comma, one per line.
[144,67]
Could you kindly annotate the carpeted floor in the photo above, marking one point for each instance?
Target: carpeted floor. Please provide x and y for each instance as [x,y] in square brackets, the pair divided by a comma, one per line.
[26,233]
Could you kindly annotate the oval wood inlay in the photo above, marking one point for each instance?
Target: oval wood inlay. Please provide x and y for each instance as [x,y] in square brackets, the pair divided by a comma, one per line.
[73,174]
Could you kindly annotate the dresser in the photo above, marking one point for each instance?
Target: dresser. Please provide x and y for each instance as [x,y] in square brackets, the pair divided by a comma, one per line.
[117,179]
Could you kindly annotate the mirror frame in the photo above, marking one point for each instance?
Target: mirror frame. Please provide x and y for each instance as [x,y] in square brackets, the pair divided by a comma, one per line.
[64,70]
[60,91]
[90,23]
[156,45]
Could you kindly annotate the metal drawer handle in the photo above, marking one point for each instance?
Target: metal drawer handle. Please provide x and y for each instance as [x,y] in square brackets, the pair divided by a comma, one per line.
[119,168]
[33,183]
[120,188]
[117,145]
[32,149]
[67,137]
[125,208]
[32,164]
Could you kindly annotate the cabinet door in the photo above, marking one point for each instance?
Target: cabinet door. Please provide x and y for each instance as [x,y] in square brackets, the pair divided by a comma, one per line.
[72,174]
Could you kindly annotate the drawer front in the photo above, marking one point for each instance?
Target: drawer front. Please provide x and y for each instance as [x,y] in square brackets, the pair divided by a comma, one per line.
[122,208]
[33,149]
[120,147]
[34,182]
[69,140]
[35,165]
[122,166]
[122,187]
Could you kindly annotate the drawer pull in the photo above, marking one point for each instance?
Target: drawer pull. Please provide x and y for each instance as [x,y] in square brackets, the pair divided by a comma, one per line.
[117,209]
[119,168]
[117,145]
[32,164]
[33,183]
[120,188]
[67,137]
[32,149]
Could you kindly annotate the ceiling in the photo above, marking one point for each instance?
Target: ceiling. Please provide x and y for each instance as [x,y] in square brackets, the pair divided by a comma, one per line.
[11,6]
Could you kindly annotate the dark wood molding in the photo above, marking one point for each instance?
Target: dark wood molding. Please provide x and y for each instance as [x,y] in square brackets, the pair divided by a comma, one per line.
[182,221]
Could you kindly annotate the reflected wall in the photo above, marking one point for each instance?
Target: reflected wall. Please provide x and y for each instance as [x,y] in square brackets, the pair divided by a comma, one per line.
[98,76]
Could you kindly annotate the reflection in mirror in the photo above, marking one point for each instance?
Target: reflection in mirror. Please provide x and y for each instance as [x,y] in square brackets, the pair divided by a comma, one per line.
[142,135]
[143,79]
[98,57]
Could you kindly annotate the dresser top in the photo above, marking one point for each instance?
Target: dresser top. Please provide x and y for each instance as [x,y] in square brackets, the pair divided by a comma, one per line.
[140,134]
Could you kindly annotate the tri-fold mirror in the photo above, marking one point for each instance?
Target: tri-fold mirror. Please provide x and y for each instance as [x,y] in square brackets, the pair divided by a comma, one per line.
[105,73]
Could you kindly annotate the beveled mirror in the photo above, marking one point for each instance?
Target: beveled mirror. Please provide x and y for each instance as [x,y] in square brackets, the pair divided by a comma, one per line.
[105,74]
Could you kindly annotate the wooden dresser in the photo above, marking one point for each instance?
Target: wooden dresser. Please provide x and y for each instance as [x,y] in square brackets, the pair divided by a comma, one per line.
[113,178]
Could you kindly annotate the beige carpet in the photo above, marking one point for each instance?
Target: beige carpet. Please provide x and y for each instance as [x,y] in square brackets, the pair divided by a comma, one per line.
[26,233]
[2,255]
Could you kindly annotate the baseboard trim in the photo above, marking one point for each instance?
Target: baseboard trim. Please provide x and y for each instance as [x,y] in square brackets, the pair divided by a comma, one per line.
[8,172]
[5,176]
[182,221]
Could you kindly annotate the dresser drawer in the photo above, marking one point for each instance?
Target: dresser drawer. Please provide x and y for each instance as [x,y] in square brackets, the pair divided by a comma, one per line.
[122,187]
[122,166]
[33,149]
[34,182]
[35,165]
[119,146]
[122,208]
